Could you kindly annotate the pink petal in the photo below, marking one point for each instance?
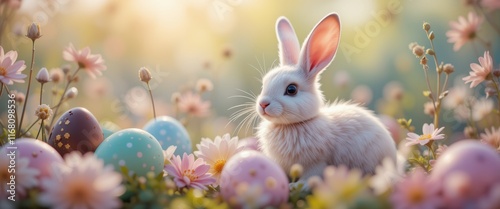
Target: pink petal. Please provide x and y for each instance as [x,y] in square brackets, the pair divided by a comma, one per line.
[423,142]
[202,169]
[413,136]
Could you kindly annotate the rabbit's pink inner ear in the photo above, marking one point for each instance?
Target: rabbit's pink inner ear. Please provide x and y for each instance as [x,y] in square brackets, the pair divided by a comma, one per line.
[323,43]
[289,47]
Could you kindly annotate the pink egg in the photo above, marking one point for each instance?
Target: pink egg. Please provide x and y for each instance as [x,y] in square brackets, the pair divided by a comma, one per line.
[41,155]
[251,176]
[250,143]
[465,172]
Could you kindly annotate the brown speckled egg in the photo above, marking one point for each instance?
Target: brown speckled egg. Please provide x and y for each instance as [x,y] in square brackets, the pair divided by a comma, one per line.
[77,129]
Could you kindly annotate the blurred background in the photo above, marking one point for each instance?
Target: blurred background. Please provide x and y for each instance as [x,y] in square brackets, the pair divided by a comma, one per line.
[228,42]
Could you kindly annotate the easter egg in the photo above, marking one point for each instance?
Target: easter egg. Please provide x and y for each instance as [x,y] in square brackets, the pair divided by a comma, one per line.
[41,156]
[76,130]
[248,172]
[466,171]
[168,132]
[250,143]
[133,148]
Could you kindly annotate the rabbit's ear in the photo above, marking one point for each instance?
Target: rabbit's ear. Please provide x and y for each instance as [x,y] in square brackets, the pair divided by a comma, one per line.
[321,45]
[289,48]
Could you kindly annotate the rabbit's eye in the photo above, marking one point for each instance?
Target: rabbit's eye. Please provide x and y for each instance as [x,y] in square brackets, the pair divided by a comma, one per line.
[291,90]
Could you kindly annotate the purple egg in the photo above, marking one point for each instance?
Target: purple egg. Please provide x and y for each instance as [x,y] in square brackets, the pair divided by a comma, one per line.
[41,155]
[260,177]
[76,130]
[250,143]
[465,172]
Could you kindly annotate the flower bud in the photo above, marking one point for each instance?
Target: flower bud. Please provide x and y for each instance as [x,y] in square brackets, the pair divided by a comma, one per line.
[176,97]
[66,69]
[71,93]
[43,112]
[423,61]
[430,52]
[448,68]
[296,171]
[43,76]
[426,26]
[204,85]
[144,75]
[490,91]
[418,51]
[34,31]
[431,35]
[56,75]
[496,73]
[19,96]
[469,132]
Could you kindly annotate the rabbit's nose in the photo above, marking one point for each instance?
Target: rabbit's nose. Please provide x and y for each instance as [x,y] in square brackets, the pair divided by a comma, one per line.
[264,104]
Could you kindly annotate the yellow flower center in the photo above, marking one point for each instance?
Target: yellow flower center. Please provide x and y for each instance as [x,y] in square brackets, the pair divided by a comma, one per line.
[219,165]
[3,71]
[425,137]
[78,193]
[416,196]
[190,174]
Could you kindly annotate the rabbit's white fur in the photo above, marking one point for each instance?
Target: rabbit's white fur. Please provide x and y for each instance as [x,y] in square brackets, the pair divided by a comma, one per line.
[301,128]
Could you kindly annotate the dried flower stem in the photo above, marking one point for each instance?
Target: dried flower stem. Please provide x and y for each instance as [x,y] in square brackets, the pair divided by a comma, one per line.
[152,101]
[28,89]
[31,126]
[426,68]
[58,105]
[498,92]
[41,93]
[8,93]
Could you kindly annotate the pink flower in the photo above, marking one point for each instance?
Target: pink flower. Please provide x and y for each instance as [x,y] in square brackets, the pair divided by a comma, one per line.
[10,70]
[92,63]
[428,134]
[464,30]
[491,138]
[479,72]
[26,177]
[192,104]
[415,192]
[189,173]
[217,152]
[82,182]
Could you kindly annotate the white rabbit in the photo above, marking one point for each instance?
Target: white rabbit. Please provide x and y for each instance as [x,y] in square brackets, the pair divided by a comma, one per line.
[297,125]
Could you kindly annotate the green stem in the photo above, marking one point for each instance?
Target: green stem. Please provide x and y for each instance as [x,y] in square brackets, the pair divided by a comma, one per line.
[29,86]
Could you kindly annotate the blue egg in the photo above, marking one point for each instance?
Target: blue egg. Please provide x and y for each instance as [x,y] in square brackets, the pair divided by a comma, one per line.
[133,148]
[168,131]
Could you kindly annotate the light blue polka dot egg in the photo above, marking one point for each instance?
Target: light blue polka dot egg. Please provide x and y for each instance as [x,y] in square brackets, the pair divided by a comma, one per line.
[168,131]
[134,148]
